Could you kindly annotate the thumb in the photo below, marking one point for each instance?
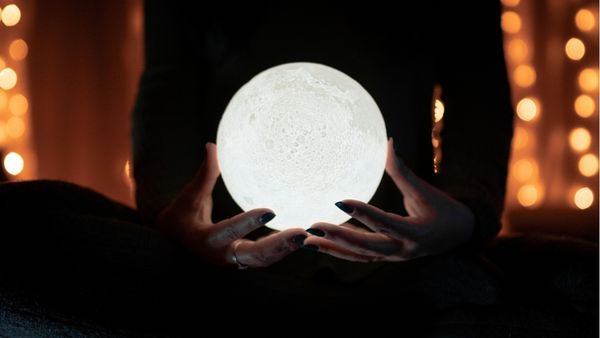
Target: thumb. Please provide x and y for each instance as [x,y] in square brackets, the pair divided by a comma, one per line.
[403,177]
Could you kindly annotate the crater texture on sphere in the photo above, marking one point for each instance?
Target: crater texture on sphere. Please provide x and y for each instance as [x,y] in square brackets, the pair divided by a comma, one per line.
[297,138]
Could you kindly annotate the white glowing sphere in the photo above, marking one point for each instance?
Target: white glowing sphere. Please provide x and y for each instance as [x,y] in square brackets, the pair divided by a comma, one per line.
[299,137]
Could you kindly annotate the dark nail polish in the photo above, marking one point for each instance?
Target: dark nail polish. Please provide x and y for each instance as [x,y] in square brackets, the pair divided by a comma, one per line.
[316,232]
[310,247]
[344,207]
[298,239]
[264,219]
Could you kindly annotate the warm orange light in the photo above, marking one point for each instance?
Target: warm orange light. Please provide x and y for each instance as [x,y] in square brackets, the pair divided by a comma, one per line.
[511,22]
[13,163]
[18,49]
[524,170]
[528,195]
[588,79]
[580,139]
[584,197]
[575,49]
[585,106]
[517,50]
[527,109]
[11,15]
[438,110]
[521,138]
[8,78]
[524,76]
[588,165]
[2,132]
[2,63]
[3,100]
[18,105]
[15,127]
[585,20]
[511,3]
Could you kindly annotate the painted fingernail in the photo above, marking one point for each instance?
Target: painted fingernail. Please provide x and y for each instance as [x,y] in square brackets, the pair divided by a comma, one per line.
[316,232]
[310,247]
[344,207]
[264,219]
[298,239]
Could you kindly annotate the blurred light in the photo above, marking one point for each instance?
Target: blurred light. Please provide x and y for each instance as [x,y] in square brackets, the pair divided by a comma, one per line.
[527,195]
[8,78]
[3,99]
[18,49]
[580,139]
[2,132]
[588,165]
[575,49]
[585,20]
[585,106]
[15,127]
[584,197]
[517,50]
[527,109]
[524,170]
[524,76]
[11,15]
[511,22]
[438,111]
[588,79]
[511,3]
[521,138]
[18,105]
[2,63]
[127,169]
[13,163]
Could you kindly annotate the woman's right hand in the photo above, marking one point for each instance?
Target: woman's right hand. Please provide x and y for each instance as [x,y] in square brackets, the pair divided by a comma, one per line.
[189,219]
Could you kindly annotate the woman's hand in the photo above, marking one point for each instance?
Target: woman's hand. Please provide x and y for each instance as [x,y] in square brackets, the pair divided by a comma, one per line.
[435,223]
[188,219]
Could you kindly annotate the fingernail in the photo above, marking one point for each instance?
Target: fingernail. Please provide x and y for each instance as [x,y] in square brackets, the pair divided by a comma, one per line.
[310,247]
[344,207]
[316,232]
[264,219]
[298,239]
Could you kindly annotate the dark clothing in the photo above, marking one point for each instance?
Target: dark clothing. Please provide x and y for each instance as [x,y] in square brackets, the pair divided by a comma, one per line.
[198,56]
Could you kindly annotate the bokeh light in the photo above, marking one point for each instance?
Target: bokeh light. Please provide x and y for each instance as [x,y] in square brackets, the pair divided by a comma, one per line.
[524,76]
[521,138]
[585,20]
[511,3]
[575,49]
[584,197]
[527,109]
[524,170]
[3,99]
[15,127]
[517,50]
[8,78]
[588,165]
[438,110]
[588,79]
[18,105]
[511,22]
[18,49]
[585,106]
[11,15]
[13,163]
[580,139]
[528,195]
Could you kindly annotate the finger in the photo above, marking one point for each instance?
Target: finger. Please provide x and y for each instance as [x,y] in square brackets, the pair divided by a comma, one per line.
[271,249]
[360,241]
[378,220]
[403,177]
[203,183]
[238,226]
[334,249]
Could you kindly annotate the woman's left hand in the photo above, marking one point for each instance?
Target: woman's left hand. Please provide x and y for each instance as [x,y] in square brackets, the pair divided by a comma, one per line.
[435,223]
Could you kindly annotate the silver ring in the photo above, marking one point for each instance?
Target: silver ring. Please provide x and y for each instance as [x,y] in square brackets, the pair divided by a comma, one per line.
[240,265]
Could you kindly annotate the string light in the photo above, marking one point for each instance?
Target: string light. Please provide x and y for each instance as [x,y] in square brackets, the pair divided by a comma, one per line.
[575,49]
[524,170]
[511,22]
[18,105]
[11,15]
[517,50]
[511,3]
[588,79]
[580,139]
[8,78]
[584,106]
[18,49]
[584,197]
[521,138]
[13,163]
[585,20]
[527,109]
[528,195]
[588,165]
[524,76]
[15,127]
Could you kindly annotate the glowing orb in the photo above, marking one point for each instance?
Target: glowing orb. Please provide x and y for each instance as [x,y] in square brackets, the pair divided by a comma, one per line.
[299,137]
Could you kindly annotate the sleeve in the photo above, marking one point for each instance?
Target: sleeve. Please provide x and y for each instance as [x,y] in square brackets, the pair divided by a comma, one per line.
[168,146]
[478,119]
